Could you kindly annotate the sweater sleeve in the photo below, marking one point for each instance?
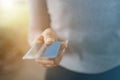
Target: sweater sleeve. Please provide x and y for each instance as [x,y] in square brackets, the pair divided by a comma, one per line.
[39,18]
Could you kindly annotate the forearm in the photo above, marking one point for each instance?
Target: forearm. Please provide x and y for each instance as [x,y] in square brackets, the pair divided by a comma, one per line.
[39,18]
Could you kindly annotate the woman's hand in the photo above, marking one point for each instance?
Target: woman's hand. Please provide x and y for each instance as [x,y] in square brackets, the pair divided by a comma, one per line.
[48,37]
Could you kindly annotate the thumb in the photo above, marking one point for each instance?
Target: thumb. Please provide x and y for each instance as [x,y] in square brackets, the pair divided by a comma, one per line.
[49,40]
[49,36]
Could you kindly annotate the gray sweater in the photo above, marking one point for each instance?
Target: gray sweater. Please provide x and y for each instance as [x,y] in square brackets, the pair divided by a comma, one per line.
[93,30]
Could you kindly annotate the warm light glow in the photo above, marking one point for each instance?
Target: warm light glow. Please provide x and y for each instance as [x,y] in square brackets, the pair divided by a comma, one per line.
[7,5]
[13,12]
[8,8]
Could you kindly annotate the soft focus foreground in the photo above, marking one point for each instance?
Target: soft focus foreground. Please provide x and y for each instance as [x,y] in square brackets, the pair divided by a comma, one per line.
[13,43]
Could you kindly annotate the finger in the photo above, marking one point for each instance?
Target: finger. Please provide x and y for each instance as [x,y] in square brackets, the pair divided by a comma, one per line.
[49,36]
[49,41]
[45,61]
[39,39]
[49,31]
[65,44]
[49,66]
[42,58]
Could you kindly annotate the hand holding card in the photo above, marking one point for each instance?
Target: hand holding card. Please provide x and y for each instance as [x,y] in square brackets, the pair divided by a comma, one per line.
[47,51]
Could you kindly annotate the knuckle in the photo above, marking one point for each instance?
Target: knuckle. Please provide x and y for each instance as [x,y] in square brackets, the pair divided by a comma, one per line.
[48,31]
[49,41]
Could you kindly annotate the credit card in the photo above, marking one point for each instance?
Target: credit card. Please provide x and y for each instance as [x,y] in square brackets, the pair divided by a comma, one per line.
[34,51]
[53,50]
[41,50]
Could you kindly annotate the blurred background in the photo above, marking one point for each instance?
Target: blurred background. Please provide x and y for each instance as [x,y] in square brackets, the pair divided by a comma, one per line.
[14,16]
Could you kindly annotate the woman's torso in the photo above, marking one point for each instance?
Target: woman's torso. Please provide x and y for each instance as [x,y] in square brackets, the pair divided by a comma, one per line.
[93,30]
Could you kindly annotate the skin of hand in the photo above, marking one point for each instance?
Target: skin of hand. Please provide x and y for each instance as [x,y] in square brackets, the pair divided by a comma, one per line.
[47,37]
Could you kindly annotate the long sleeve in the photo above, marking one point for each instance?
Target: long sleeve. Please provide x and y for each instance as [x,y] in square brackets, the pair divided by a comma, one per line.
[39,18]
